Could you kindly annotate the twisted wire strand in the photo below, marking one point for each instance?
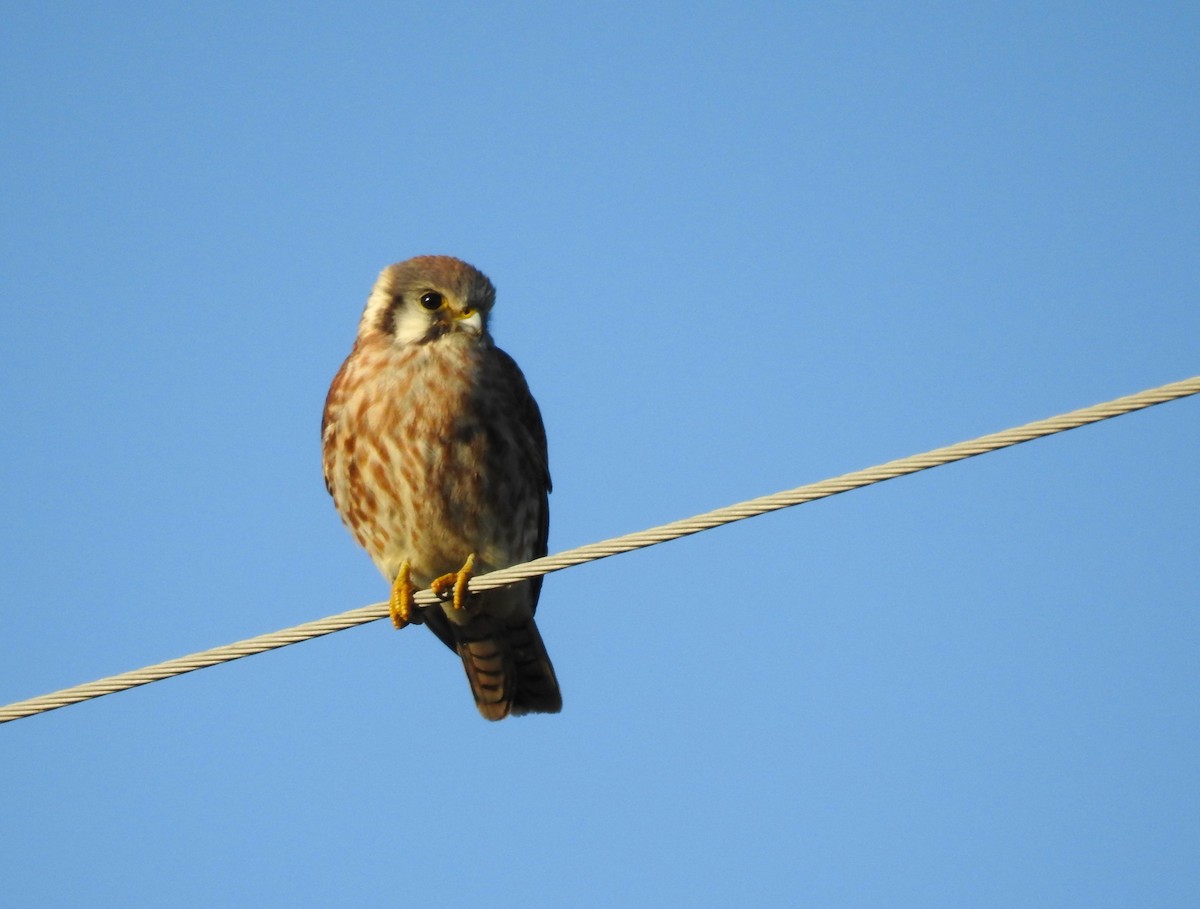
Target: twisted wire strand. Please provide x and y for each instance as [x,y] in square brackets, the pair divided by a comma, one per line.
[605,548]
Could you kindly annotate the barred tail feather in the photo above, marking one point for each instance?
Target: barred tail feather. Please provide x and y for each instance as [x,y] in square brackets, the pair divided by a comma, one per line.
[508,668]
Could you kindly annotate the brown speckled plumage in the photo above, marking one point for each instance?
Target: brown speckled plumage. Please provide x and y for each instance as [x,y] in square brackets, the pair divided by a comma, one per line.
[434,449]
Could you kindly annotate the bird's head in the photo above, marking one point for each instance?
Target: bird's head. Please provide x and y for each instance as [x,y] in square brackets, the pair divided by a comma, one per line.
[425,298]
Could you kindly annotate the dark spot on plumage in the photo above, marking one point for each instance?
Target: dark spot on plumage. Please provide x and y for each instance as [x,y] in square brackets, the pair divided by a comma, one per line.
[497,442]
[436,330]
[387,319]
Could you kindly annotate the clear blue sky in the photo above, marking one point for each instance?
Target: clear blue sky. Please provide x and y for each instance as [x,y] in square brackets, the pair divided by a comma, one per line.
[738,248]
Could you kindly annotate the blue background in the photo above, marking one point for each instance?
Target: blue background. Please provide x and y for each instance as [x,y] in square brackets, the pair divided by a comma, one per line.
[738,248]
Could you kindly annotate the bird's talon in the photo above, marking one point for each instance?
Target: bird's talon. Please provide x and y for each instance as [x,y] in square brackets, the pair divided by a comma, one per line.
[456,582]
[402,606]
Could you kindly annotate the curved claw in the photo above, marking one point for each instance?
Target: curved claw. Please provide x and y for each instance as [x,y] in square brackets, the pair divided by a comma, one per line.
[456,581]
[402,606]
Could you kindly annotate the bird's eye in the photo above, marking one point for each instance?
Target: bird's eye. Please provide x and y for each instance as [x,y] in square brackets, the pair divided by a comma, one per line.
[431,300]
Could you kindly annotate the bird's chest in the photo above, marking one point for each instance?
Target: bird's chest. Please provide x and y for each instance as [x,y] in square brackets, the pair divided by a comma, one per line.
[415,437]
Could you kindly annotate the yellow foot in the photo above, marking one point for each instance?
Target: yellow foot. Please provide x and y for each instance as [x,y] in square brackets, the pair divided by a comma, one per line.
[456,581]
[401,605]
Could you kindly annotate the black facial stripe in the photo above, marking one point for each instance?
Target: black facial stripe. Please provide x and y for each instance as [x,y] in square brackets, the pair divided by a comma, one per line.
[387,320]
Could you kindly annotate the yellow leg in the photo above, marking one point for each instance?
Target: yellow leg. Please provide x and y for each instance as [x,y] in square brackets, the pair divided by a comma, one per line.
[456,581]
[401,605]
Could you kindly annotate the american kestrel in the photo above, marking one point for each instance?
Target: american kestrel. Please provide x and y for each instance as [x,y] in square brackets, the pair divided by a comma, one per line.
[435,455]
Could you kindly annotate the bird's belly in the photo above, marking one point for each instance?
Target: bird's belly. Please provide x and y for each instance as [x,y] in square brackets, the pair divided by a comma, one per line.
[414,488]
[420,472]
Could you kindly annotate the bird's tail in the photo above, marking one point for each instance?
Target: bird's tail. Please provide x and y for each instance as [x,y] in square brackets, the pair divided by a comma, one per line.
[507,666]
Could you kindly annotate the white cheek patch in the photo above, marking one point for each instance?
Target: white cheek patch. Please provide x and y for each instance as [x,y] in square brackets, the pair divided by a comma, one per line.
[411,324]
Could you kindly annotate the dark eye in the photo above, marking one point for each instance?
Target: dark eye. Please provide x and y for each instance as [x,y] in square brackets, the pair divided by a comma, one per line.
[431,300]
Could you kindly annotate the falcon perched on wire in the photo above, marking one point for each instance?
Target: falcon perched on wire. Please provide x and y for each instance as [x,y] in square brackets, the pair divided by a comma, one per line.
[435,455]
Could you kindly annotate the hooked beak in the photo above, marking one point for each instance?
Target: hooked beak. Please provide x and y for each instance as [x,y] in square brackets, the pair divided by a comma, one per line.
[468,319]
